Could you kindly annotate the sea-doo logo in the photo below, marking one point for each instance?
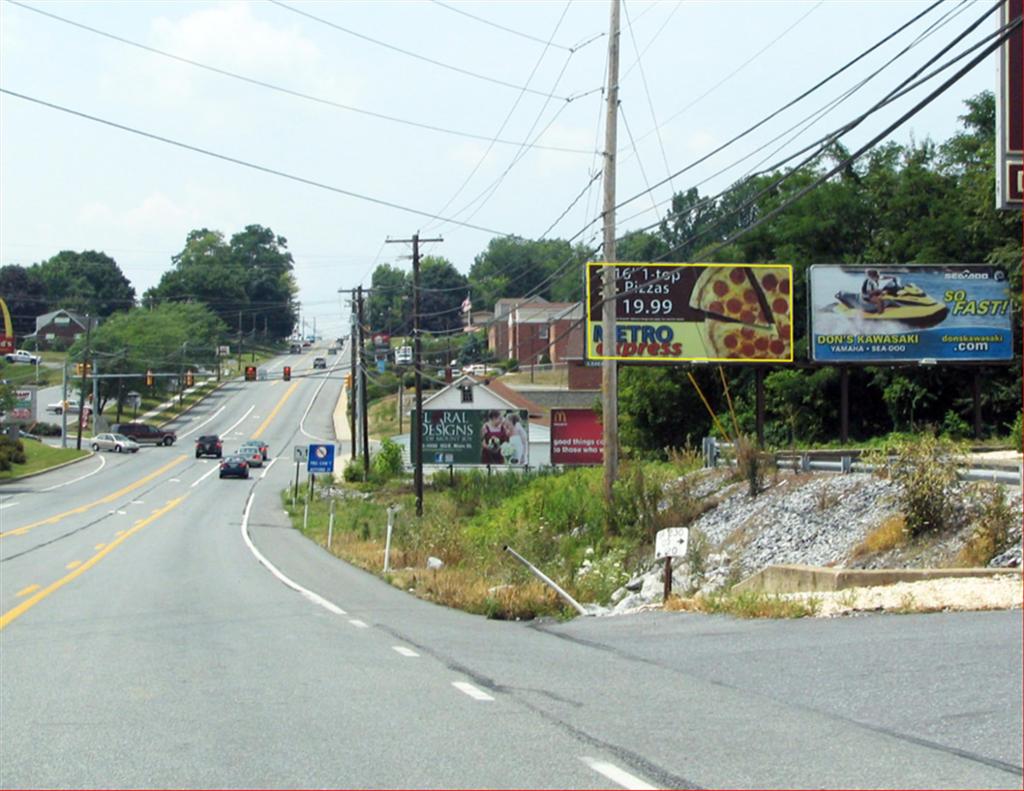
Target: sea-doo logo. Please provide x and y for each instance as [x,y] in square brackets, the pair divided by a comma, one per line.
[967,274]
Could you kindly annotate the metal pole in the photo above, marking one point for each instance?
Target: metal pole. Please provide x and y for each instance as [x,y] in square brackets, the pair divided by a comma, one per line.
[609,368]
[85,368]
[387,540]
[668,580]
[547,580]
[351,390]
[330,526]
[417,351]
[295,491]
[64,405]
[95,395]
[844,404]
[759,405]
[976,397]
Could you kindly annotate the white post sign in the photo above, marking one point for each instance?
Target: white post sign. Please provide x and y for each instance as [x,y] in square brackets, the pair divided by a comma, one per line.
[671,542]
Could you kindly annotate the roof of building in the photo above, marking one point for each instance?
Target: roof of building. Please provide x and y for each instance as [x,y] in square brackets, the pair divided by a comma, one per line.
[46,318]
[513,398]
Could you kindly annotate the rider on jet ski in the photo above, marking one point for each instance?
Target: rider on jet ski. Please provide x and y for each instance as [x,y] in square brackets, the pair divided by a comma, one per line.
[873,293]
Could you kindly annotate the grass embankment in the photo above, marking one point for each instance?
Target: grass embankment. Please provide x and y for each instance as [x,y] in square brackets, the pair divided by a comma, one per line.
[39,457]
[23,374]
[556,520]
[555,378]
[382,417]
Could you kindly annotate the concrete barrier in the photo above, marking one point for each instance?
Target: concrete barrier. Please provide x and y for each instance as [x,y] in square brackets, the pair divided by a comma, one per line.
[811,579]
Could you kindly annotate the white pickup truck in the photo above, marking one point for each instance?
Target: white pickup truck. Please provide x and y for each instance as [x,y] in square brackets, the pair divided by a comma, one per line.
[72,408]
[22,356]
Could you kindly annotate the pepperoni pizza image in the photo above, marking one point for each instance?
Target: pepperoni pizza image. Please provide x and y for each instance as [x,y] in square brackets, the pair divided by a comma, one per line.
[746,311]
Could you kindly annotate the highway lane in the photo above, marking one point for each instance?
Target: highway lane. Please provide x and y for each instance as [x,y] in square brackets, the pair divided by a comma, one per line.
[177,659]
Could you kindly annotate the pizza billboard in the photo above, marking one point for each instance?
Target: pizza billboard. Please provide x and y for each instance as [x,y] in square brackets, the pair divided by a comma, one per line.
[492,437]
[886,314]
[576,437]
[694,312]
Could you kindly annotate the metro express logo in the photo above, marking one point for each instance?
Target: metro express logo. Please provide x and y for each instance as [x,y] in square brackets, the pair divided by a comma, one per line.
[636,340]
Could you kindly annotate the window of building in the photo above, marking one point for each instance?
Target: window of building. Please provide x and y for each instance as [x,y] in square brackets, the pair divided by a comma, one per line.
[543,331]
[467,394]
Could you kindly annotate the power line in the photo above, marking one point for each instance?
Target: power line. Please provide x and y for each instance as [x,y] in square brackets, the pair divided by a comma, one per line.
[502,27]
[289,91]
[415,55]
[251,165]
[654,38]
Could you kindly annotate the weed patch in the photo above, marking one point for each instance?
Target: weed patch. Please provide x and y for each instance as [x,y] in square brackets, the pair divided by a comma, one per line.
[748,604]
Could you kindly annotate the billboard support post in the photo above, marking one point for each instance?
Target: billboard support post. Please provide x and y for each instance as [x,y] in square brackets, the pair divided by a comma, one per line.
[976,397]
[844,404]
[759,405]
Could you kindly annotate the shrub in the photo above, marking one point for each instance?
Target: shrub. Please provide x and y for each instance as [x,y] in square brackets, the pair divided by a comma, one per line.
[1017,432]
[992,525]
[925,473]
[45,430]
[11,452]
[387,463]
[353,472]
[752,463]
[954,426]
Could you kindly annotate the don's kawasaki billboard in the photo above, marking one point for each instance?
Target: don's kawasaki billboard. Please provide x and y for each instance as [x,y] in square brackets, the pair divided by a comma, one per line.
[876,313]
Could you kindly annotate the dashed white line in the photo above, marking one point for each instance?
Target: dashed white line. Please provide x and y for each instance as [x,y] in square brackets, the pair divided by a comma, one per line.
[269,465]
[404,651]
[196,428]
[6,505]
[357,623]
[205,475]
[469,689]
[616,775]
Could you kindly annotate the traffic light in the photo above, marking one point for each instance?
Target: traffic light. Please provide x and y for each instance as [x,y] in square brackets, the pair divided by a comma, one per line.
[149,378]
[287,373]
[348,381]
[190,378]
[83,369]
[250,373]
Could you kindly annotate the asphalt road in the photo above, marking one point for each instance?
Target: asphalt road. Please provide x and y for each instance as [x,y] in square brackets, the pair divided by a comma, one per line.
[160,627]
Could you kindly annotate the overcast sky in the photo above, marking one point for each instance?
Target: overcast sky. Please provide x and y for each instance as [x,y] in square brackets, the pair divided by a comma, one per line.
[712,69]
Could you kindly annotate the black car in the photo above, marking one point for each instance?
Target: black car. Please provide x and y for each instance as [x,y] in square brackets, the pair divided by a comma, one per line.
[144,432]
[209,445]
[319,362]
[234,467]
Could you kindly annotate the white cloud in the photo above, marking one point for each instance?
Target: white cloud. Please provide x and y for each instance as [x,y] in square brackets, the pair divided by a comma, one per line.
[156,213]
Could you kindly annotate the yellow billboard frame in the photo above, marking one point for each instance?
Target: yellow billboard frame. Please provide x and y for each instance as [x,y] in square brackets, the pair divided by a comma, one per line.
[659,360]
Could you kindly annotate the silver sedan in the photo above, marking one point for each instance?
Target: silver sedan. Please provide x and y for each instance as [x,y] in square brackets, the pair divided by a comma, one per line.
[118,443]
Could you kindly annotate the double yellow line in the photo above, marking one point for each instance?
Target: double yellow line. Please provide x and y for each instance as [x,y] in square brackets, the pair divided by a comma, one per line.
[32,601]
[20,531]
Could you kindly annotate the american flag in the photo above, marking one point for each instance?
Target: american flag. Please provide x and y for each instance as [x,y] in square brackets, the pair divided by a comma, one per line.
[467,305]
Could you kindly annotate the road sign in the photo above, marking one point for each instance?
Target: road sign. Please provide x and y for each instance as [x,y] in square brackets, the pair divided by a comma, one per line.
[321,458]
[24,408]
[671,542]
[301,453]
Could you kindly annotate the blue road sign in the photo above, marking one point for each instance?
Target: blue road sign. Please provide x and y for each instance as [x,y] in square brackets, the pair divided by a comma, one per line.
[321,458]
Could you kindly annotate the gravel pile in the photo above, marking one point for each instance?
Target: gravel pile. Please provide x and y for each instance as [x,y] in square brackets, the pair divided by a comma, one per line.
[800,518]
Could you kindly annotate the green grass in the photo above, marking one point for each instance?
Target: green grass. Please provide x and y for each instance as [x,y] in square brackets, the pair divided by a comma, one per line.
[22,374]
[39,457]
[748,604]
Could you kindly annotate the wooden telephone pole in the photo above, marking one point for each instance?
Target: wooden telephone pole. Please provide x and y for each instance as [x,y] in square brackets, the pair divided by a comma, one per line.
[609,367]
[417,428]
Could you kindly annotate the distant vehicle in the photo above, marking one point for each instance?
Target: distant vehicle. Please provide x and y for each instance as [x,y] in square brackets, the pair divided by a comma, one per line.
[252,455]
[118,443]
[72,408]
[209,445]
[234,467]
[144,432]
[295,348]
[306,344]
[258,443]
[22,356]
[319,362]
[479,369]
[332,350]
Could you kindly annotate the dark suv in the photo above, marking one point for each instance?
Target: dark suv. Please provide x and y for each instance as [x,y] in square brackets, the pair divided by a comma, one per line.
[209,445]
[144,432]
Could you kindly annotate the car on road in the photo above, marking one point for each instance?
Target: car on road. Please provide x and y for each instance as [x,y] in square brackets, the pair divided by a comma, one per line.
[209,445]
[320,362]
[295,348]
[22,356]
[258,443]
[118,443]
[251,454]
[144,432]
[71,407]
[332,350]
[234,467]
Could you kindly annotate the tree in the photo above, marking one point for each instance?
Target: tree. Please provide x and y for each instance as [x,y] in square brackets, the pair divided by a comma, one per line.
[88,282]
[389,304]
[25,296]
[442,289]
[516,267]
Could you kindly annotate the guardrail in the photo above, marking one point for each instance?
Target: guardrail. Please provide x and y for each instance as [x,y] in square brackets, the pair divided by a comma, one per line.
[848,461]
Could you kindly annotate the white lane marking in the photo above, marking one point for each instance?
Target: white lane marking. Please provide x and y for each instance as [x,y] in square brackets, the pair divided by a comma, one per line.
[313,597]
[243,417]
[616,775]
[196,428]
[404,651]
[267,468]
[175,480]
[121,513]
[204,476]
[138,502]
[6,505]
[469,689]
[357,623]
[302,422]
[103,462]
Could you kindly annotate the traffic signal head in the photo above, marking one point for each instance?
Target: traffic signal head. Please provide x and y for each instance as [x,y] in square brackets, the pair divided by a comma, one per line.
[149,378]
[348,381]
[287,373]
[83,369]
[250,373]
[190,378]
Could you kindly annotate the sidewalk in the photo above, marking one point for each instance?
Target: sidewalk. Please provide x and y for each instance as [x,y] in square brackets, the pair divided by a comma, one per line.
[340,417]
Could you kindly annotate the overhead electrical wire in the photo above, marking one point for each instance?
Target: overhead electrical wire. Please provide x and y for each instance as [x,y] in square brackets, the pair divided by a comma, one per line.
[289,91]
[653,38]
[417,56]
[514,32]
[250,165]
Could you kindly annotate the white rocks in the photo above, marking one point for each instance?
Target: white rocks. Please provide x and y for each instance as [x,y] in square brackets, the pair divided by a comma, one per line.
[434,563]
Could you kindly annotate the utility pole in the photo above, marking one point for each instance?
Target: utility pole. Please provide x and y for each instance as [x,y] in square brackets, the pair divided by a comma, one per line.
[362,387]
[609,368]
[239,341]
[417,430]
[64,405]
[352,378]
[85,369]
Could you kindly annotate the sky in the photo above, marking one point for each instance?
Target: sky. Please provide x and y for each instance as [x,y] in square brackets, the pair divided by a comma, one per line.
[528,74]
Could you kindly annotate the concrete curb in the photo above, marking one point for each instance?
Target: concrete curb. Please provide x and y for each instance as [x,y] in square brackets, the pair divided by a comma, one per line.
[191,406]
[88,455]
[818,579]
